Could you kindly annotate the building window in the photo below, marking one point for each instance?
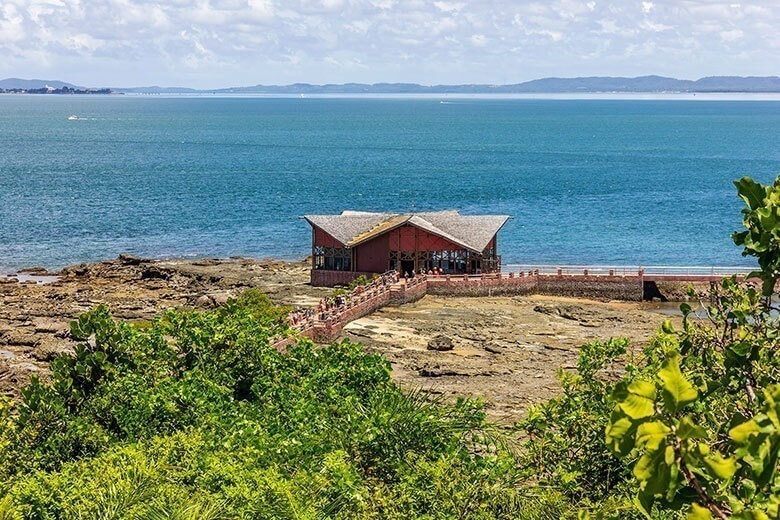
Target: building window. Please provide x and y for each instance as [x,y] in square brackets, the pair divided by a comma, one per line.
[332,258]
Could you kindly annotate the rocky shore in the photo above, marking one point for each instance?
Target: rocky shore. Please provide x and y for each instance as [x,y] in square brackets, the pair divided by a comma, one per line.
[34,317]
[507,350]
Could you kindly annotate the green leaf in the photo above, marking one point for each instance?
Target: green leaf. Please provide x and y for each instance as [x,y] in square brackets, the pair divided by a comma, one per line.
[742,432]
[667,327]
[739,237]
[647,465]
[636,400]
[619,434]
[721,467]
[747,489]
[698,512]
[686,429]
[656,471]
[752,514]
[751,192]
[768,284]
[677,391]
[642,388]
[644,503]
[650,435]
[741,349]
[758,439]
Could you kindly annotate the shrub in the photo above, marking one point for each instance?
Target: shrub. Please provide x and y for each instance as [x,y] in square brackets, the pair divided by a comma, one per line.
[196,416]
[698,422]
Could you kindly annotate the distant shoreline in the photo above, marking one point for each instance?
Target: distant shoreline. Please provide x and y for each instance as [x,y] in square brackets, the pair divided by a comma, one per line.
[650,84]
[445,99]
[64,91]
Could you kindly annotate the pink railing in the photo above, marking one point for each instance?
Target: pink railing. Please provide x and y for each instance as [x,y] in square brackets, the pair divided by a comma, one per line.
[631,270]
[333,308]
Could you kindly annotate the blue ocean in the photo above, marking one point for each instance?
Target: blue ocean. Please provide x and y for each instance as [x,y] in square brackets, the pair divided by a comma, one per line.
[588,181]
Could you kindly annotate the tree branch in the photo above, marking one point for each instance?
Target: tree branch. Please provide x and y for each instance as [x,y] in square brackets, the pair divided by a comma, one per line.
[720,511]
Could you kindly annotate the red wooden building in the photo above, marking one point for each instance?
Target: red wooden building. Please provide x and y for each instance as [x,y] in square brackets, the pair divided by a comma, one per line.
[353,243]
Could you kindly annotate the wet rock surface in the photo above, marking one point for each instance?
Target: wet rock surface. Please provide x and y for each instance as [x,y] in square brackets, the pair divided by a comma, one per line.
[506,350]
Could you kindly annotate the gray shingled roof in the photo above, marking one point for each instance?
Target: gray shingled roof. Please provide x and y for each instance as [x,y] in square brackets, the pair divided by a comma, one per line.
[351,228]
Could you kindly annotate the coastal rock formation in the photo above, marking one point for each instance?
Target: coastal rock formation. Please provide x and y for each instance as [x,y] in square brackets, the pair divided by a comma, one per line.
[34,318]
[506,350]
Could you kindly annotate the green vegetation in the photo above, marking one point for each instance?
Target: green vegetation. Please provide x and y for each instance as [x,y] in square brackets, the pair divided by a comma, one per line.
[261,306]
[360,280]
[351,286]
[695,420]
[194,415]
[699,421]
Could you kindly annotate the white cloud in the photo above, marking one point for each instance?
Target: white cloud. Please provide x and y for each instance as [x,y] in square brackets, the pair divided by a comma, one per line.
[654,27]
[83,43]
[449,7]
[218,42]
[11,25]
[478,40]
[730,36]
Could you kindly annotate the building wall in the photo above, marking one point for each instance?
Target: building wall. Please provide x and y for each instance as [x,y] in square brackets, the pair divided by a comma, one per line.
[457,285]
[373,256]
[323,239]
[323,278]
[627,288]
[410,238]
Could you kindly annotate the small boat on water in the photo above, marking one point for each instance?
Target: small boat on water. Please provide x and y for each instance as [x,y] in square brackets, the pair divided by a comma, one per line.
[73,118]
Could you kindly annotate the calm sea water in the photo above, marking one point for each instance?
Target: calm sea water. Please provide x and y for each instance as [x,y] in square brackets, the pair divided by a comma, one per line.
[587,181]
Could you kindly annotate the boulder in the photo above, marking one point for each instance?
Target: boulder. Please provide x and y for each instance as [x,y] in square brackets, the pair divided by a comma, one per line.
[152,272]
[205,301]
[221,297]
[440,343]
[34,270]
[207,262]
[126,259]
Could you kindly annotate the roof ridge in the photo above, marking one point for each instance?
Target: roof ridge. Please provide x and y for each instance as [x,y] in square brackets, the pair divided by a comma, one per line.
[353,228]
[393,220]
[433,228]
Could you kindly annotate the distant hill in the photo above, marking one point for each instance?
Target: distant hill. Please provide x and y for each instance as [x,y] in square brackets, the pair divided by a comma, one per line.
[603,84]
[594,84]
[737,84]
[17,83]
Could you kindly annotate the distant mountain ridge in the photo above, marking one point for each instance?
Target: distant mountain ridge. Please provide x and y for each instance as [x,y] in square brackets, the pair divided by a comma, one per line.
[593,84]
[18,83]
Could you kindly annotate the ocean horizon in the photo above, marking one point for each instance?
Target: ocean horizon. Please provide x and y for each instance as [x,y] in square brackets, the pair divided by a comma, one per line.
[588,180]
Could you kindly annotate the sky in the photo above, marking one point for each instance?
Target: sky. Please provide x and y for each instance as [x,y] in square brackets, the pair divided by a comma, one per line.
[222,43]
